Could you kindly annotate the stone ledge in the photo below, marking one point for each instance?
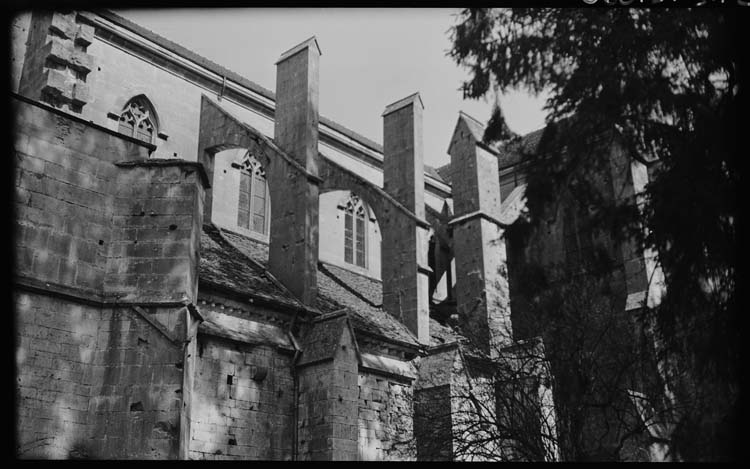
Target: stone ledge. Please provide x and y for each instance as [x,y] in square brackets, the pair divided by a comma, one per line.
[56,83]
[166,162]
[477,214]
[84,35]
[83,295]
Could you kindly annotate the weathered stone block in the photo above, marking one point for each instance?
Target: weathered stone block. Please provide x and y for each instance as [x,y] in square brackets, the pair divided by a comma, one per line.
[58,50]
[84,35]
[58,84]
[80,93]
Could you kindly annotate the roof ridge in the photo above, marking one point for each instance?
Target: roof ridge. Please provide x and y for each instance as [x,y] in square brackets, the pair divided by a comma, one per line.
[403,102]
[298,48]
[472,118]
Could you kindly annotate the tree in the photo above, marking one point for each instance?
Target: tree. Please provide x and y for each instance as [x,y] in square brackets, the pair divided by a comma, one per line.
[564,393]
[665,84]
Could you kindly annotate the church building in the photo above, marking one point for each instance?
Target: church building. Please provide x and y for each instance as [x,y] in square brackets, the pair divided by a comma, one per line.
[208,269]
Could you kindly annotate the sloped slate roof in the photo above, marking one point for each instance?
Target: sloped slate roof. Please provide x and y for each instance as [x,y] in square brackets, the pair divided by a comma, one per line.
[223,262]
[445,173]
[512,152]
[513,205]
[347,289]
[249,247]
[440,334]
[368,289]
[475,127]
[433,172]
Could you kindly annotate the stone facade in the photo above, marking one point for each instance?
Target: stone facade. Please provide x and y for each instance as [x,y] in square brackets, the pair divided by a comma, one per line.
[56,63]
[242,402]
[150,324]
[112,361]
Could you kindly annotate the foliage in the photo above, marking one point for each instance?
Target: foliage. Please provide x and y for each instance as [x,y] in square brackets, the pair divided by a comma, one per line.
[663,84]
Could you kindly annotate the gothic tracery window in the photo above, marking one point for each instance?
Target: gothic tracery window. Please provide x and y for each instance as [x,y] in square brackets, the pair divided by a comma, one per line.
[354,231]
[138,120]
[252,210]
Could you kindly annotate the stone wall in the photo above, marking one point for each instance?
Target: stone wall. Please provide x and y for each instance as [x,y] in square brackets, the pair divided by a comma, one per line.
[94,382]
[100,360]
[153,253]
[385,419]
[433,416]
[136,387]
[243,401]
[328,393]
[55,348]
[64,200]
[432,429]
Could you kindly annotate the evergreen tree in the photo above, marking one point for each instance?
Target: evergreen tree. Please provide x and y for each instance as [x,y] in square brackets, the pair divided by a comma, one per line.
[665,84]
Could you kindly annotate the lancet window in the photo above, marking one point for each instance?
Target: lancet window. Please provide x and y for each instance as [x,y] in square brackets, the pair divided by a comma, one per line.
[253,207]
[355,231]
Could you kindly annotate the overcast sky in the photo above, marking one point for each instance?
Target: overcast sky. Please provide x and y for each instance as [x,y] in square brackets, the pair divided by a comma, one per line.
[370,58]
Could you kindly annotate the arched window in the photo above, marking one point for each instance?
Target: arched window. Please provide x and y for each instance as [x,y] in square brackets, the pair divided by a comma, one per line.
[138,120]
[253,205]
[355,231]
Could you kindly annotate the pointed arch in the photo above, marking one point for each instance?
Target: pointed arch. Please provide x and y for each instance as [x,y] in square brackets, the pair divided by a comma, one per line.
[139,119]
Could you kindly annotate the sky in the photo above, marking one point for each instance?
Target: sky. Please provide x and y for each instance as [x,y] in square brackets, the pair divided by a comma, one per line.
[370,58]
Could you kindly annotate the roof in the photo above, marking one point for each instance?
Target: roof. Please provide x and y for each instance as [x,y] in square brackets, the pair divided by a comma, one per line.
[239,263]
[445,173]
[475,127]
[514,205]
[512,152]
[441,334]
[313,41]
[434,173]
[411,99]
[339,288]
[222,264]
